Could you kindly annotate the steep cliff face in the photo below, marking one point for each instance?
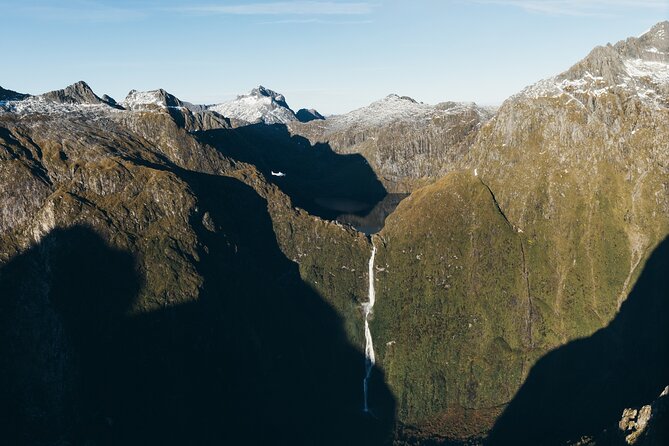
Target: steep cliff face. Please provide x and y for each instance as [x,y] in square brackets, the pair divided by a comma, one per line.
[408,144]
[452,318]
[538,243]
[156,292]
[580,163]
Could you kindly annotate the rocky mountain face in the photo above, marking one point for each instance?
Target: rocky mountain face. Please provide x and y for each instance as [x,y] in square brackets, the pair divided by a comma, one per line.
[573,174]
[261,105]
[408,144]
[78,93]
[172,274]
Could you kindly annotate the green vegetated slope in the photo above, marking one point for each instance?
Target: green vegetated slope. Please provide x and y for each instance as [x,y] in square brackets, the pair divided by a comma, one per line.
[452,319]
[592,210]
[580,169]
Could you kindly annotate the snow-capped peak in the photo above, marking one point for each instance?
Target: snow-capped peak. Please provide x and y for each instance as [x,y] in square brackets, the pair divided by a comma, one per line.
[260,105]
[638,65]
[261,91]
[75,98]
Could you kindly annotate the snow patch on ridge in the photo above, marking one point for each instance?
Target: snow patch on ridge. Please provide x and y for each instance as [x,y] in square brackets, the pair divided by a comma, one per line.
[656,71]
[636,66]
[140,99]
[37,104]
[642,78]
[261,105]
[395,108]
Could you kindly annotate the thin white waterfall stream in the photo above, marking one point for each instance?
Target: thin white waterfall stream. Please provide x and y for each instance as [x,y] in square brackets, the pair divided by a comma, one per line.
[367,307]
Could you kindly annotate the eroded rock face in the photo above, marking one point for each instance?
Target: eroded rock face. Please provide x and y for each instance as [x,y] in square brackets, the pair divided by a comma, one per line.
[408,144]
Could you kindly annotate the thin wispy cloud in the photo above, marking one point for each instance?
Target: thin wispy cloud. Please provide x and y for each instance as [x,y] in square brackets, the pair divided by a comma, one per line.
[295,8]
[81,11]
[582,8]
[294,11]
[316,21]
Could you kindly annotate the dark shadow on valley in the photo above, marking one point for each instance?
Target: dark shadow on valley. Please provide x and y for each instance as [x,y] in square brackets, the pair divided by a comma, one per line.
[582,387]
[317,179]
[257,358]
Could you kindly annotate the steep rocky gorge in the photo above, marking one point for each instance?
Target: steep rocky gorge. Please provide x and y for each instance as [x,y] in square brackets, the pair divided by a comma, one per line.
[159,284]
[157,292]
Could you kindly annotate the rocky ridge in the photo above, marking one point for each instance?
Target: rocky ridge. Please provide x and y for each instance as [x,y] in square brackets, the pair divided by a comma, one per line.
[407,143]
[260,105]
[637,66]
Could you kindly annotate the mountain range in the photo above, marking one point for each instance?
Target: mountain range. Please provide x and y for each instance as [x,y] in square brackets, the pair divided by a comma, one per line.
[174,273]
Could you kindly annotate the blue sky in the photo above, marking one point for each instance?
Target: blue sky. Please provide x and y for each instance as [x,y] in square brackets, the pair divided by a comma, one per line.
[331,55]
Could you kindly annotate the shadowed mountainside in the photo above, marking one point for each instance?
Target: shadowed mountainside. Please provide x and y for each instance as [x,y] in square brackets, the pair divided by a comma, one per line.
[257,358]
[315,176]
[580,388]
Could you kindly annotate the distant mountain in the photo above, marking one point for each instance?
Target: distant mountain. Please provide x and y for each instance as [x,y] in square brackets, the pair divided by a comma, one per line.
[140,100]
[78,93]
[306,115]
[260,105]
[407,143]
[9,95]
[636,66]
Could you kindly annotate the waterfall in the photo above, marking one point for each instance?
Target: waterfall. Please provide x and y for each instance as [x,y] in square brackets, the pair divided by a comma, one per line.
[367,307]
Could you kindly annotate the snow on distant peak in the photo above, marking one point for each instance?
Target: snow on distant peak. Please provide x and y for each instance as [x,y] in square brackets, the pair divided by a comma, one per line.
[384,111]
[42,105]
[260,105]
[638,66]
[77,98]
[660,30]
[396,108]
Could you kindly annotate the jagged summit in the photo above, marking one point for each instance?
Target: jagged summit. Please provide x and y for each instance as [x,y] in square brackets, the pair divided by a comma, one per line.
[78,97]
[637,66]
[658,33]
[77,93]
[260,105]
[261,91]
[153,98]
[394,97]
